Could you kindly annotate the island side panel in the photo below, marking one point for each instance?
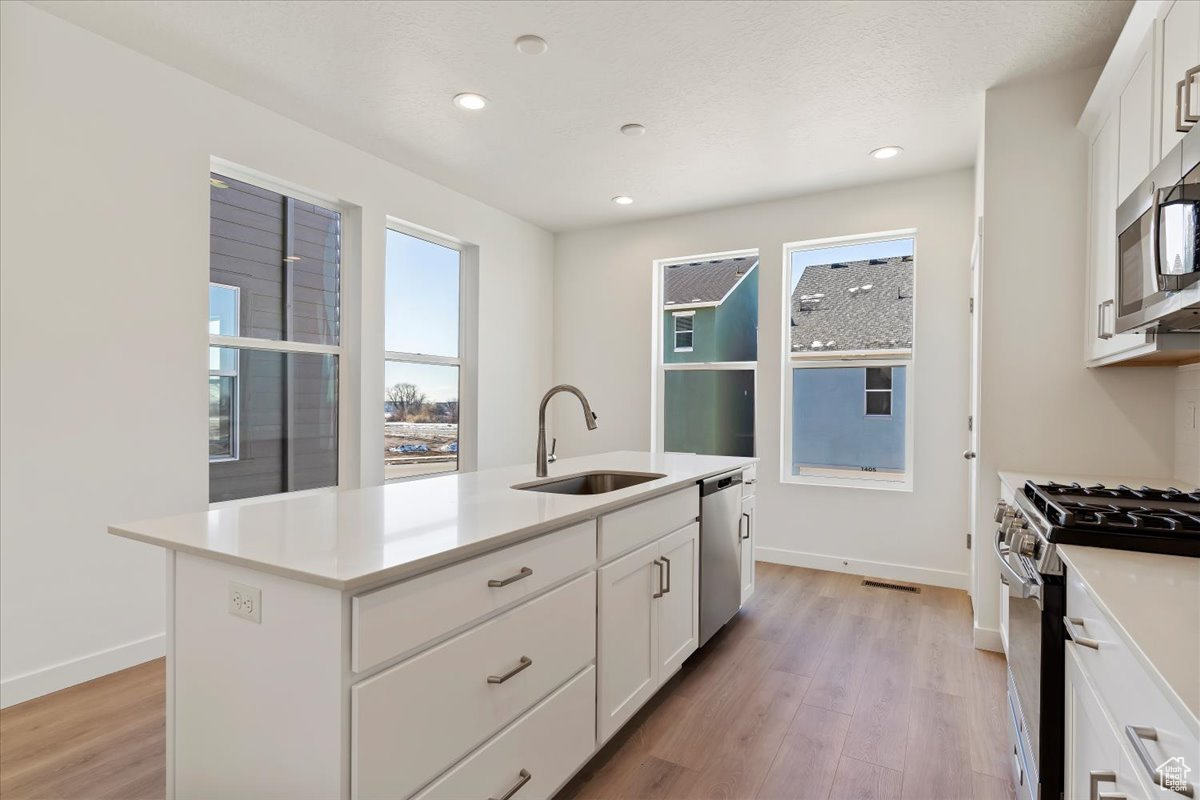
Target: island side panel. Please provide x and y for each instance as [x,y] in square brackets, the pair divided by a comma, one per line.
[258,707]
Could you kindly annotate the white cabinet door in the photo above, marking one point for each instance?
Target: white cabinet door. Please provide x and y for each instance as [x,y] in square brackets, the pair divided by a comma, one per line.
[678,608]
[627,625]
[1101,314]
[1180,52]
[1094,755]
[1137,122]
[747,528]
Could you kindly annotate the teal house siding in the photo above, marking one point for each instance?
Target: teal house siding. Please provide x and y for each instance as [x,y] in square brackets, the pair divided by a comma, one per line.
[711,412]
[728,332]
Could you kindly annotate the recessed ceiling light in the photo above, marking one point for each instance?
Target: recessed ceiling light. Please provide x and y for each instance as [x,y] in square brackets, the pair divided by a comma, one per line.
[633,129]
[531,45]
[622,200]
[470,101]
[891,151]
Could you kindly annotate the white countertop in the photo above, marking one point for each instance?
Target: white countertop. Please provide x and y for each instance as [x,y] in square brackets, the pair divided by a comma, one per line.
[1153,601]
[364,537]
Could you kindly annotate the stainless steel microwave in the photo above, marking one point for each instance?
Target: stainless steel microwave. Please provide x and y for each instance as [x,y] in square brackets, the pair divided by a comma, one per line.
[1158,239]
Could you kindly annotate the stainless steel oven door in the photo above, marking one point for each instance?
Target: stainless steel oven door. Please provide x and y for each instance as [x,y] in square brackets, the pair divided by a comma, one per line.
[1025,589]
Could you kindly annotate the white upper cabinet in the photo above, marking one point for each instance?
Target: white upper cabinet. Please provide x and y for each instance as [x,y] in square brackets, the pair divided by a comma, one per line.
[1180,52]
[1136,105]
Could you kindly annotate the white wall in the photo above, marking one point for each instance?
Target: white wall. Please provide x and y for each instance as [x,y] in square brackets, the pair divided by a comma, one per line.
[1187,425]
[1042,410]
[603,317]
[104,267]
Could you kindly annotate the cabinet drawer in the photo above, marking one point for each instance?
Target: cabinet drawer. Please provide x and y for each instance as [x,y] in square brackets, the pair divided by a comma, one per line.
[749,480]
[1128,692]
[396,619]
[412,721]
[548,744]
[632,527]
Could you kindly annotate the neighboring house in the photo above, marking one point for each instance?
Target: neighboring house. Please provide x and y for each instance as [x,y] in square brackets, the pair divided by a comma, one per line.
[710,311]
[852,417]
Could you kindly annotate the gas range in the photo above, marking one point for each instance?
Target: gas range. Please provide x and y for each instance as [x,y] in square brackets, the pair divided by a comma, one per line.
[1146,520]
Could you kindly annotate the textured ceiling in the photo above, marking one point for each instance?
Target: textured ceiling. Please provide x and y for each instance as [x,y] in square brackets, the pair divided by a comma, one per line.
[743,101]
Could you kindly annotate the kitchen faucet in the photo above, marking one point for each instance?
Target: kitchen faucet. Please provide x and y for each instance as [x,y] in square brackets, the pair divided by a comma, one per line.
[589,417]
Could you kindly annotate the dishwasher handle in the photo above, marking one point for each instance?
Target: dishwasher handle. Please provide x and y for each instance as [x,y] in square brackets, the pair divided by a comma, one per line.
[719,483]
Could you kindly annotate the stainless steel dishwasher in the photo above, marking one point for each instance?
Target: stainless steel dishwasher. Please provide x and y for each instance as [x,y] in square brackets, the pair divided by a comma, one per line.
[720,551]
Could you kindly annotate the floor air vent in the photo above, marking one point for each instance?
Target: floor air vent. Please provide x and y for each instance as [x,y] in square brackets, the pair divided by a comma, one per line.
[893,586]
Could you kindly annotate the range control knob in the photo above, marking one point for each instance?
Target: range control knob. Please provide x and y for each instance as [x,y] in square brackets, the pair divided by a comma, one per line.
[1003,510]
[1027,546]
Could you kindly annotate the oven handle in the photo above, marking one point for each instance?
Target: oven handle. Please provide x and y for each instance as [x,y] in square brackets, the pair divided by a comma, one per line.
[1018,583]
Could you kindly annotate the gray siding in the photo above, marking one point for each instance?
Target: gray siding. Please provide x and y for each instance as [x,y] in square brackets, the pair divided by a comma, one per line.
[287,403]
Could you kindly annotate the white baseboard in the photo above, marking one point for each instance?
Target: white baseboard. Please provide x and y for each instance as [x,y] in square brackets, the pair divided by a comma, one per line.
[20,688]
[988,639]
[872,569]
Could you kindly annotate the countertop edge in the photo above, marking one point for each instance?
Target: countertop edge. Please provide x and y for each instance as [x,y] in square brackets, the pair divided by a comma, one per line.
[1163,685]
[440,560]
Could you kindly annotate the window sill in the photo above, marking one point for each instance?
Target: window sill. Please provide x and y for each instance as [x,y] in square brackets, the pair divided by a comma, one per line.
[904,485]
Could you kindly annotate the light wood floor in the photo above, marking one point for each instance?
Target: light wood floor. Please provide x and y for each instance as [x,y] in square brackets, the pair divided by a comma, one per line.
[819,688]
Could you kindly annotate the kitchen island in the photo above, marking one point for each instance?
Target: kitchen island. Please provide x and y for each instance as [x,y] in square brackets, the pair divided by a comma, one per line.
[433,638]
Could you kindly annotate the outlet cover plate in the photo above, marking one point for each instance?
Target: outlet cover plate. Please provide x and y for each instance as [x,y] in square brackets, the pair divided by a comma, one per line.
[245,601]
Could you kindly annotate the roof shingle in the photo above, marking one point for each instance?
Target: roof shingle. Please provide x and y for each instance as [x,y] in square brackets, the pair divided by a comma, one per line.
[704,281]
[856,305]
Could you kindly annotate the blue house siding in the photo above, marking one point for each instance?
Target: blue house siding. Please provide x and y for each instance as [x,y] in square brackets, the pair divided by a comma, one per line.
[728,332]
[830,427]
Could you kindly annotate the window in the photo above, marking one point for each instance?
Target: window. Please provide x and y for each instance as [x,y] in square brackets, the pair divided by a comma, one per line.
[422,340]
[708,354]
[878,391]
[848,361]
[683,331]
[274,304]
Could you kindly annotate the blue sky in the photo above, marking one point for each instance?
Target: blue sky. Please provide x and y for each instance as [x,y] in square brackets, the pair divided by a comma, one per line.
[421,303]
[848,252]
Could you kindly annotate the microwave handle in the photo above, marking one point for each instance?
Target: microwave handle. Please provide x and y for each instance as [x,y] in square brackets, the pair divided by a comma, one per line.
[1155,255]
[1189,78]
[1101,328]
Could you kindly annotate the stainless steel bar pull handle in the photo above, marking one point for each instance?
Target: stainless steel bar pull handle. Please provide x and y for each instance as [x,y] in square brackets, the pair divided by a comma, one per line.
[1138,734]
[1023,587]
[660,591]
[525,663]
[524,573]
[1071,623]
[1189,78]
[522,779]
[1097,777]
[746,516]
[667,561]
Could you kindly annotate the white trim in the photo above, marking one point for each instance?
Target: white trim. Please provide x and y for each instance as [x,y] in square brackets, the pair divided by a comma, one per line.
[20,688]
[690,306]
[871,569]
[675,318]
[859,358]
[422,358]
[987,639]
[272,184]
[274,345]
[710,365]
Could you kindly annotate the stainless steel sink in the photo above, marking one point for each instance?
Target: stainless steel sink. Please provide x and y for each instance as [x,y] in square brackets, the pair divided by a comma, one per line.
[590,482]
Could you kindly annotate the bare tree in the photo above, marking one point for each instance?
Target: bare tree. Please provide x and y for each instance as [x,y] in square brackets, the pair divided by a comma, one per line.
[406,399]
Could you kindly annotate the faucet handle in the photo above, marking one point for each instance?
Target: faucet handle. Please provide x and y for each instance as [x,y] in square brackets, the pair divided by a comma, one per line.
[553,446]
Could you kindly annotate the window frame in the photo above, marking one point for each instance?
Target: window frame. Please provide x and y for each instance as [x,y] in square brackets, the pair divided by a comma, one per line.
[348,321]
[675,316]
[464,361]
[868,391]
[659,367]
[790,361]
[235,418]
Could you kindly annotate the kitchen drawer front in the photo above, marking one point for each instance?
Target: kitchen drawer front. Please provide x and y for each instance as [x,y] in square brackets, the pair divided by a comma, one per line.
[548,744]
[1124,686]
[415,719]
[749,480]
[396,619]
[629,528]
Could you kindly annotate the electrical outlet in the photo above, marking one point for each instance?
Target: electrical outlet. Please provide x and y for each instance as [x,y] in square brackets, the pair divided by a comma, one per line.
[245,601]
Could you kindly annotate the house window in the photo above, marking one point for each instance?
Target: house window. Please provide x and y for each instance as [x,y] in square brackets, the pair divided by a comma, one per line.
[684,321]
[423,344]
[274,310]
[848,361]
[878,391]
[708,354]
